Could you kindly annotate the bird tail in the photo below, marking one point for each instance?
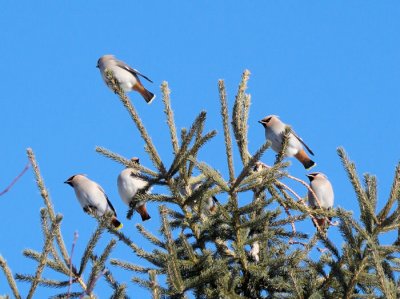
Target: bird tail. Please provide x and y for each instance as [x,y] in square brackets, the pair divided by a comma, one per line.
[147,95]
[143,212]
[116,223]
[323,222]
[213,207]
[305,160]
[320,222]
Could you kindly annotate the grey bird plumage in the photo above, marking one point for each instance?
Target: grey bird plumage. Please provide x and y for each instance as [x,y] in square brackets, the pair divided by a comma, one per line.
[322,188]
[209,204]
[129,183]
[274,130]
[127,77]
[92,198]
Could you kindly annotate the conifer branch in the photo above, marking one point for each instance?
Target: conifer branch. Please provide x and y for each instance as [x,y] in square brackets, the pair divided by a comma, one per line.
[300,200]
[149,236]
[174,277]
[239,115]
[394,194]
[90,248]
[183,153]
[151,285]
[71,295]
[43,258]
[129,266]
[196,147]
[138,122]
[285,142]
[119,289]
[120,292]
[53,264]
[366,209]
[43,281]
[46,197]
[136,249]
[383,281]
[170,116]
[227,133]
[154,285]
[188,248]
[125,162]
[98,268]
[211,173]
[250,165]
[56,263]
[10,278]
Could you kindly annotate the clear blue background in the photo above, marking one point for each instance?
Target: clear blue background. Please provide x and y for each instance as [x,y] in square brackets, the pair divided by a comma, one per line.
[331,70]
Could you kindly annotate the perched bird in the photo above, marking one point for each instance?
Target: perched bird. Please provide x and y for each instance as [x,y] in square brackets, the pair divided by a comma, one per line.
[274,130]
[129,183]
[254,252]
[126,76]
[323,190]
[210,204]
[92,198]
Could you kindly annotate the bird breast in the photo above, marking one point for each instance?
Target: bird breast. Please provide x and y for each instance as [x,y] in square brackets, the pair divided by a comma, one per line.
[128,186]
[92,196]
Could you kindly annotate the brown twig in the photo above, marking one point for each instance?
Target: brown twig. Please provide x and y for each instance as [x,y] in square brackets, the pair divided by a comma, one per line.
[70,262]
[16,179]
[300,199]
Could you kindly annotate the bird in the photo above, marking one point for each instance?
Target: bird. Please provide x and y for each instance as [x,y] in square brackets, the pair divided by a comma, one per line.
[127,77]
[322,188]
[274,130]
[92,198]
[129,183]
[210,204]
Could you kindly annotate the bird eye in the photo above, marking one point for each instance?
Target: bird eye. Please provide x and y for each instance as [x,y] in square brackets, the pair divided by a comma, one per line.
[268,119]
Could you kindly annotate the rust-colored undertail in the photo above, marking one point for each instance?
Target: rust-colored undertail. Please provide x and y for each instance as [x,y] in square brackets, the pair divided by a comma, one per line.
[147,95]
[143,212]
[305,160]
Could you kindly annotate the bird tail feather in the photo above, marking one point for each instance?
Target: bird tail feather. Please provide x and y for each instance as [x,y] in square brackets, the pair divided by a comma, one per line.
[116,223]
[147,95]
[305,160]
[143,212]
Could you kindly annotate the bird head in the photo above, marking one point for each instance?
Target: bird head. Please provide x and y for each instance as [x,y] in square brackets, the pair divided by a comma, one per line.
[70,181]
[103,59]
[268,120]
[315,175]
[75,178]
[135,160]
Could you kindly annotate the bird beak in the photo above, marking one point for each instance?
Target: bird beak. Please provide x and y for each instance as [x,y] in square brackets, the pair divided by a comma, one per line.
[260,121]
[97,66]
[68,182]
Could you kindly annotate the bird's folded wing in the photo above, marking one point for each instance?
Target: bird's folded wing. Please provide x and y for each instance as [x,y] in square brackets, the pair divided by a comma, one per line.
[108,201]
[302,142]
[131,70]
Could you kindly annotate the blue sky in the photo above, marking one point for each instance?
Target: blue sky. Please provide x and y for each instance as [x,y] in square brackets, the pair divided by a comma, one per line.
[331,70]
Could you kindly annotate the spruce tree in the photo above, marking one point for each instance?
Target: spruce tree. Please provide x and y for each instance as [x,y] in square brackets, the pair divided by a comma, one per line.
[214,246]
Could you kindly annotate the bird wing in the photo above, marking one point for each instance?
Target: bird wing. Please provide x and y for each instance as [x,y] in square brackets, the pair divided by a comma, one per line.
[303,143]
[108,201]
[131,70]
